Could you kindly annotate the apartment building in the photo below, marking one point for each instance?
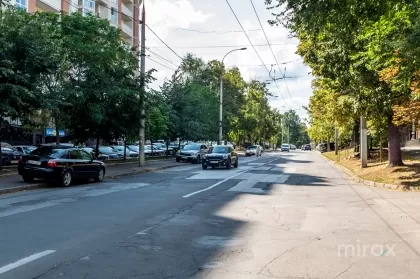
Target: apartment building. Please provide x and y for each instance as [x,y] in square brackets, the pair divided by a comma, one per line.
[120,13]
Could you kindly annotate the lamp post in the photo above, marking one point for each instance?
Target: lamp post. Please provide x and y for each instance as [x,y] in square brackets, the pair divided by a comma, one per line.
[221,98]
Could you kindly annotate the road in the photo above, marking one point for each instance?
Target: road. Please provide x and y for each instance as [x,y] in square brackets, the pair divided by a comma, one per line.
[282,215]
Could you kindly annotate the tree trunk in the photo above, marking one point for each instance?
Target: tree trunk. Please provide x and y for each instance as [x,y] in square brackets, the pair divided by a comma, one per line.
[394,145]
[97,148]
[380,148]
[57,134]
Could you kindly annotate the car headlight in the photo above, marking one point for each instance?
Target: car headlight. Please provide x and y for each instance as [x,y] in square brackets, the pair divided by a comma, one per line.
[178,152]
[225,156]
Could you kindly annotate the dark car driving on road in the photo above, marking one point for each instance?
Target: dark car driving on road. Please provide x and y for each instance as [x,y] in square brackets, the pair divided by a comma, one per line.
[60,163]
[220,156]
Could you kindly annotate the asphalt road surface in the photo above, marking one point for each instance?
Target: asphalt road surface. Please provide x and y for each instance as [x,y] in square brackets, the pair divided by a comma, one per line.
[282,215]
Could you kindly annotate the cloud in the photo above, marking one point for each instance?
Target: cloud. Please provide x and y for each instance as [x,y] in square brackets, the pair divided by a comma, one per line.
[164,16]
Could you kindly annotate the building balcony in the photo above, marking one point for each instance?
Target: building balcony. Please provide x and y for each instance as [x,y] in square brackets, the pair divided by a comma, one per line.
[48,5]
[126,12]
[102,2]
[127,30]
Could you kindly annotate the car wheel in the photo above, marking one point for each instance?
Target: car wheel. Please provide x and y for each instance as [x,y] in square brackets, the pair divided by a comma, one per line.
[178,159]
[66,178]
[100,175]
[204,166]
[229,164]
[28,178]
[236,163]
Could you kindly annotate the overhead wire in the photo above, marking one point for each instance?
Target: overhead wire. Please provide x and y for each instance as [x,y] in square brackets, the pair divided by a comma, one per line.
[160,63]
[209,31]
[272,52]
[161,57]
[228,46]
[243,29]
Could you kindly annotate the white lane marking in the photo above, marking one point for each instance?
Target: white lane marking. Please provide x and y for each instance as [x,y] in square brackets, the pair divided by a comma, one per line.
[144,232]
[224,180]
[26,260]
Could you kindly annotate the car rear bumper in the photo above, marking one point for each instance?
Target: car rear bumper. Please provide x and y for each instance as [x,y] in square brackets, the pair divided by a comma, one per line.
[43,173]
[284,149]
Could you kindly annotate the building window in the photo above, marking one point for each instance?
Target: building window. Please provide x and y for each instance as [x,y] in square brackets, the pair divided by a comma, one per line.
[114,1]
[21,4]
[114,15]
[89,4]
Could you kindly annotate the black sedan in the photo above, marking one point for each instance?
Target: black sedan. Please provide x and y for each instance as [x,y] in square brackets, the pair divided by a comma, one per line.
[220,156]
[60,163]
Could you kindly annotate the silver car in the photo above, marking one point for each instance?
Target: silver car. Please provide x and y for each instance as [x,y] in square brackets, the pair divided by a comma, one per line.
[193,152]
[253,150]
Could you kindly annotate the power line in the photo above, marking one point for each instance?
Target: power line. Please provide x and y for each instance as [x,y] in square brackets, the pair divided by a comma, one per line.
[272,52]
[243,29]
[119,12]
[229,46]
[160,63]
[163,42]
[210,31]
[161,57]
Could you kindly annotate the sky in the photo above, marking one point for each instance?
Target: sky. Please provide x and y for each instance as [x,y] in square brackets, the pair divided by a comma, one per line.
[209,29]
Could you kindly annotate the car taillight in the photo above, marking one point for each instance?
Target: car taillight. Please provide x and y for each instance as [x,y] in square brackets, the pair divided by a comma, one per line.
[52,163]
[20,160]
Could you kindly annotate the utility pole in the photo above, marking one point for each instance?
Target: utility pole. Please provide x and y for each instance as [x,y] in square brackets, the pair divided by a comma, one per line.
[288,133]
[281,124]
[142,84]
[363,142]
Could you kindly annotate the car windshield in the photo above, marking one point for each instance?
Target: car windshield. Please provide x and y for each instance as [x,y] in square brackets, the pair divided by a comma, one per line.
[106,150]
[191,147]
[50,151]
[219,149]
[252,147]
[88,149]
[133,147]
[285,145]
[118,148]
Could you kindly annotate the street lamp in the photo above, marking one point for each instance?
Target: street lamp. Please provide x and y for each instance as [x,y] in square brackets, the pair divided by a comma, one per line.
[221,98]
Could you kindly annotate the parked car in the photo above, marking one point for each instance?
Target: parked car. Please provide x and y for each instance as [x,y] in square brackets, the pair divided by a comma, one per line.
[285,147]
[153,150]
[292,147]
[193,152]
[25,149]
[101,157]
[10,156]
[253,150]
[120,150]
[162,146]
[106,150]
[220,156]
[60,163]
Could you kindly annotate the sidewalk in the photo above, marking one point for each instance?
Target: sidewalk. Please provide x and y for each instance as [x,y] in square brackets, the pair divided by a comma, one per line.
[14,183]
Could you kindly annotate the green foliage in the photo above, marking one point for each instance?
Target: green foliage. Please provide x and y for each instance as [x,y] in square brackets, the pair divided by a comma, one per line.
[366,50]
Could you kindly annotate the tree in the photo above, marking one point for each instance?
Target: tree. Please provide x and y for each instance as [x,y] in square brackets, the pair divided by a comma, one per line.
[350,44]
[24,57]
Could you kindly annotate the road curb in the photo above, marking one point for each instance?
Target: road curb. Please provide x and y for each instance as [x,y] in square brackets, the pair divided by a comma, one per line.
[112,177]
[370,183]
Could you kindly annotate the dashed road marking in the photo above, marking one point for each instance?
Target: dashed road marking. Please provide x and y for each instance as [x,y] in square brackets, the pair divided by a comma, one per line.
[24,261]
